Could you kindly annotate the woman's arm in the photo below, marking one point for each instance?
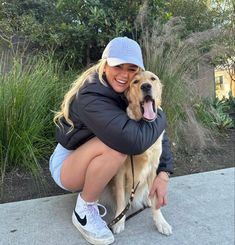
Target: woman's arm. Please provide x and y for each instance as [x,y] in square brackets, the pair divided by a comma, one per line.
[166,159]
[104,117]
[160,183]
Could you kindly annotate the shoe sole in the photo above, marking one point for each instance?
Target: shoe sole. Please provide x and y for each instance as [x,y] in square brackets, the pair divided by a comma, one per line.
[87,237]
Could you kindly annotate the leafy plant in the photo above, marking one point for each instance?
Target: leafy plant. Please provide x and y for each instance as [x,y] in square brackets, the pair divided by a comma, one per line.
[77,29]
[28,93]
[227,104]
[214,114]
[224,107]
[175,60]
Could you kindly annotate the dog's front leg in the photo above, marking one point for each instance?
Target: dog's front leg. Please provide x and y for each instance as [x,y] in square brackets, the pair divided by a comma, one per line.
[160,222]
[120,200]
[150,179]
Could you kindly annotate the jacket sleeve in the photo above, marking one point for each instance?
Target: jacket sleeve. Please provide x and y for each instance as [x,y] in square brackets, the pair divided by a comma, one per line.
[166,159]
[111,125]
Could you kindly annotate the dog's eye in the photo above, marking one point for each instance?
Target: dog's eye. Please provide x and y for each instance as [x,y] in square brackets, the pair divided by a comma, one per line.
[136,81]
[153,78]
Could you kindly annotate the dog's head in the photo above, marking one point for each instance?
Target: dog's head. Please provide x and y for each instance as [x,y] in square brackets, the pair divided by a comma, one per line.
[144,96]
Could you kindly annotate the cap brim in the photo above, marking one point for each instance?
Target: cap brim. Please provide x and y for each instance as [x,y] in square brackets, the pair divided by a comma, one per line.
[116,62]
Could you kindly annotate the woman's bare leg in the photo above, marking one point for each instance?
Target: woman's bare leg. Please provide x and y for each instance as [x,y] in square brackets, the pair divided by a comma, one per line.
[90,167]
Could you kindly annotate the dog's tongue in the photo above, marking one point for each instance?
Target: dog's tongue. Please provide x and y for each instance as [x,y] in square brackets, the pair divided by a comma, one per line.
[149,113]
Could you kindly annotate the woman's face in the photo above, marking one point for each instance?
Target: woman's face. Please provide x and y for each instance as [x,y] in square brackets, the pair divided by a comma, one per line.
[119,77]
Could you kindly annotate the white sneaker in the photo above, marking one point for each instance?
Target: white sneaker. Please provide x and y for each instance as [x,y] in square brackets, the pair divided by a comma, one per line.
[88,221]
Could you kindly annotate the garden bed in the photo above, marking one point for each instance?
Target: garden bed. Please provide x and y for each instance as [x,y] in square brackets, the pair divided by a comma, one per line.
[19,185]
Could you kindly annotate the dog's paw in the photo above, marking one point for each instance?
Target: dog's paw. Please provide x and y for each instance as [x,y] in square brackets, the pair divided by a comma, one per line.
[163,227]
[118,227]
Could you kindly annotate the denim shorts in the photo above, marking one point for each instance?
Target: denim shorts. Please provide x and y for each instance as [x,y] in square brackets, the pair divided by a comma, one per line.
[56,162]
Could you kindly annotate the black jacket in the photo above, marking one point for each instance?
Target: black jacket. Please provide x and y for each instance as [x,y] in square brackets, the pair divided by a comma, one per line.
[97,110]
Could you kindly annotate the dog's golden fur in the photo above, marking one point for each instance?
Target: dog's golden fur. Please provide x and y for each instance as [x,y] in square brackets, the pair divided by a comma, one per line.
[146,164]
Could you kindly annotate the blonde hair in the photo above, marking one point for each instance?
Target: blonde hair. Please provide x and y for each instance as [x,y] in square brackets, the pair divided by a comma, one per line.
[87,75]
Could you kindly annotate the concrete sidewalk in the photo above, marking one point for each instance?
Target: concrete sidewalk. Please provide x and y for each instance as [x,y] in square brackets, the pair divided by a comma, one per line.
[200,210]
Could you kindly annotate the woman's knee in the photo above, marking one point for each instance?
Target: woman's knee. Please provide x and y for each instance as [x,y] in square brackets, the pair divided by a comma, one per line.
[105,149]
[111,152]
[118,156]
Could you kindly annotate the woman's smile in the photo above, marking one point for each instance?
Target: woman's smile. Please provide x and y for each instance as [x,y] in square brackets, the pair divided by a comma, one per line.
[119,77]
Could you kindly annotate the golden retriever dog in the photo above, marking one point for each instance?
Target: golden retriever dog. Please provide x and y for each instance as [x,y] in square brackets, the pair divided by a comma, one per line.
[144,97]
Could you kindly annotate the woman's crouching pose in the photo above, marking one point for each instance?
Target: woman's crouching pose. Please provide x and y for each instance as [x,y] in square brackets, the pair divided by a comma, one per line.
[95,135]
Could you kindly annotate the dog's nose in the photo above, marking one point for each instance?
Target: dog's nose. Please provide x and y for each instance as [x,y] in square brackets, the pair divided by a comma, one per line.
[146,87]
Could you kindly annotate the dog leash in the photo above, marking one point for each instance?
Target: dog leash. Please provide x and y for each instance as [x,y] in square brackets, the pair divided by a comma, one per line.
[133,190]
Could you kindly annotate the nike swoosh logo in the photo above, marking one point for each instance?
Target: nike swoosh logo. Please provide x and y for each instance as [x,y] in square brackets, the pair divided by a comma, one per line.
[80,220]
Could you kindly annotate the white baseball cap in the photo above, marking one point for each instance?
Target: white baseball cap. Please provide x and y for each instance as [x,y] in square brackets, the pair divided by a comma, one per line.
[121,50]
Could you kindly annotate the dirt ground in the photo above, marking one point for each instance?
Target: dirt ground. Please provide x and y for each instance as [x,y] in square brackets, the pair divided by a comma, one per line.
[19,185]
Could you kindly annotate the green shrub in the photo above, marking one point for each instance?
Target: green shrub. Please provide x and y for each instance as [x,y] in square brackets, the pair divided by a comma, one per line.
[214,114]
[226,104]
[173,60]
[223,108]
[28,93]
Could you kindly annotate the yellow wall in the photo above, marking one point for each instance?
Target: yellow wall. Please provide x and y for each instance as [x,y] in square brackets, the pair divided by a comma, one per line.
[224,84]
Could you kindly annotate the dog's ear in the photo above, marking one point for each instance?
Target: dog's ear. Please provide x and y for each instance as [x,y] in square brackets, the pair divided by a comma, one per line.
[159,93]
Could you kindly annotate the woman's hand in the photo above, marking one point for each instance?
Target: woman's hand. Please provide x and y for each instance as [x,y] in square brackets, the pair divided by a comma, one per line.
[159,188]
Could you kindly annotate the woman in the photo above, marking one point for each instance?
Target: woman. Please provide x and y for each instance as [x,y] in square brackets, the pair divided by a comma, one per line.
[95,135]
